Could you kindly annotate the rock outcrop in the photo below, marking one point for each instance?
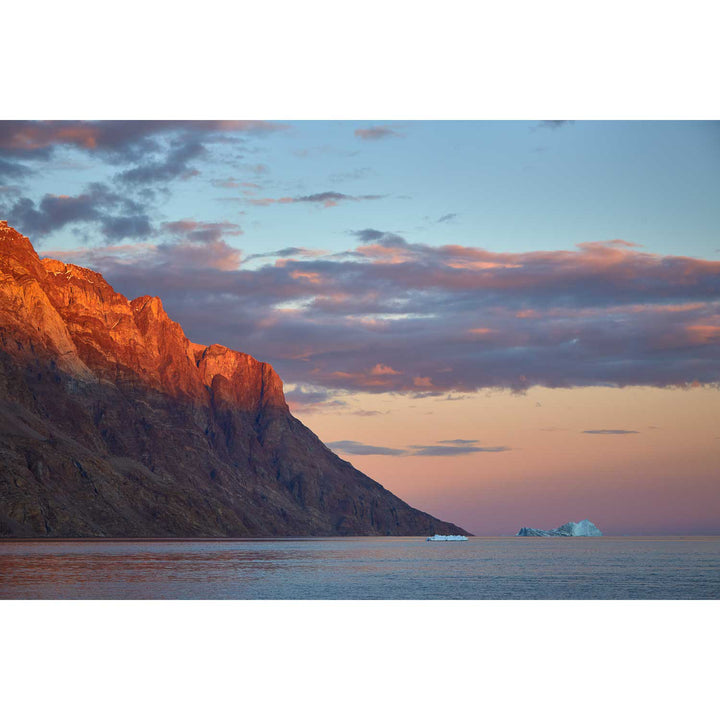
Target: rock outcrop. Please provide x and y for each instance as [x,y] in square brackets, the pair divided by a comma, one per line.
[584,528]
[113,423]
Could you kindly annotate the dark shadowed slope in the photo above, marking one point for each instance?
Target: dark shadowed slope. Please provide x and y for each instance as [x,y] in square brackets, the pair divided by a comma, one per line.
[112,423]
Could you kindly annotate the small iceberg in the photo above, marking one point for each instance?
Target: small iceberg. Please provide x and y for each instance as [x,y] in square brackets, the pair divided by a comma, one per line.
[446,538]
[584,528]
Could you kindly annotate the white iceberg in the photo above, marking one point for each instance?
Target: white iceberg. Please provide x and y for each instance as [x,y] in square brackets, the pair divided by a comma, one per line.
[446,538]
[584,528]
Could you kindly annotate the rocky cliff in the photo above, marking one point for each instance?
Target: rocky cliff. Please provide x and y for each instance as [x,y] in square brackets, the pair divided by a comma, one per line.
[113,423]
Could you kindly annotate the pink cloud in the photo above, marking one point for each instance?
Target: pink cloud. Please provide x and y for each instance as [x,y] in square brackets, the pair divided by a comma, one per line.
[603,314]
[112,134]
[381,369]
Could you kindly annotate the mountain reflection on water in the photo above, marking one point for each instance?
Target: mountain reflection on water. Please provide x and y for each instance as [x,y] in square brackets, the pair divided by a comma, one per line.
[363,568]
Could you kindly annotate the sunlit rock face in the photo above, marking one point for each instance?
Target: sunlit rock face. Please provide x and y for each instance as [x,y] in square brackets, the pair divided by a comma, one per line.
[113,423]
[584,528]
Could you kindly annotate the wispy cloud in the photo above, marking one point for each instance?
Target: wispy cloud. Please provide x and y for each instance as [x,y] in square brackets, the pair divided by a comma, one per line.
[287,252]
[610,432]
[458,442]
[445,448]
[351,447]
[448,450]
[376,132]
[553,124]
[326,199]
[357,174]
[446,218]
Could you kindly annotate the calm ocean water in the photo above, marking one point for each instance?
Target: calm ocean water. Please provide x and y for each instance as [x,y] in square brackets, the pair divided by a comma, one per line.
[365,568]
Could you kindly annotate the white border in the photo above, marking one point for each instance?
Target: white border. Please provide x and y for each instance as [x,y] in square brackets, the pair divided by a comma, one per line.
[383,659]
[379,59]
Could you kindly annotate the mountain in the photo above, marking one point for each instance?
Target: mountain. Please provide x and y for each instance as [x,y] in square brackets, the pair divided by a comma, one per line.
[584,528]
[114,424]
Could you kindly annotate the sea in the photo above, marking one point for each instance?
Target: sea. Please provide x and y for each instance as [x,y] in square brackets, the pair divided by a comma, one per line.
[404,568]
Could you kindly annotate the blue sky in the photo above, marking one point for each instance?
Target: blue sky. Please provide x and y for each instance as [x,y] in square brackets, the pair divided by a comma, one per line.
[503,186]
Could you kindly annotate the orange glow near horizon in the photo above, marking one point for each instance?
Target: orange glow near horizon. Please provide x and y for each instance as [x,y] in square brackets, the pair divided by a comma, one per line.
[661,475]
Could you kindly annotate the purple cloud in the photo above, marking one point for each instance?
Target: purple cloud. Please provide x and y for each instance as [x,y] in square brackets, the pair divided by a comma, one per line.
[12,169]
[610,432]
[393,316]
[326,199]
[174,164]
[376,132]
[350,447]
[113,136]
[446,450]
[155,150]
[116,216]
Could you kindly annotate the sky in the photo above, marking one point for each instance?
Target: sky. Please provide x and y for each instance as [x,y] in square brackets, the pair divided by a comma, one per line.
[505,323]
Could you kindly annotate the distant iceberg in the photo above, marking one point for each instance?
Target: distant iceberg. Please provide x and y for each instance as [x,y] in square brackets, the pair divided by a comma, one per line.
[584,528]
[446,538]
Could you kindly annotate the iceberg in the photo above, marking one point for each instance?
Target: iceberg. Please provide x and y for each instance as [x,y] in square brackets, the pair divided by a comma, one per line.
[584,528]
[446,538]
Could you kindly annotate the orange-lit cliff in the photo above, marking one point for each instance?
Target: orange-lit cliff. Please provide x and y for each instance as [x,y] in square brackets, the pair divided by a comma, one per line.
[113,423]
